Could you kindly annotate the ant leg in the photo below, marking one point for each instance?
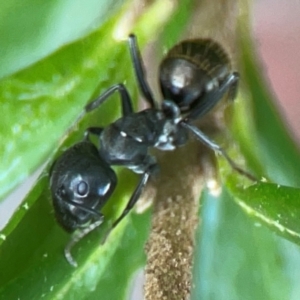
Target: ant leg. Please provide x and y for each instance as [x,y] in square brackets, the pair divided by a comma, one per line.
[92,130]
[84,208]
[139,70]
[83,232]
[233,89]
[212,145]
[92,211]
[133,199]
[229,85]
[125,99]
[79,236]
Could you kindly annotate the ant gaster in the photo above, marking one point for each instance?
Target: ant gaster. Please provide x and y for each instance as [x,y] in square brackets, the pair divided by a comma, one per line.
[194,76]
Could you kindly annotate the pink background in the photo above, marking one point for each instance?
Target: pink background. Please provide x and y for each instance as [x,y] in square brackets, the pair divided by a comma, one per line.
[277,31]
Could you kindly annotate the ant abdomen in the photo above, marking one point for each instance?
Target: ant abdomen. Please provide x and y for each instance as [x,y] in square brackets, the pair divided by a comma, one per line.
[191,69]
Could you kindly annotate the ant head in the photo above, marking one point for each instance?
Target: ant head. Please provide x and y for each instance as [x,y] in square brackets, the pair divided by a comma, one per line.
[81,183]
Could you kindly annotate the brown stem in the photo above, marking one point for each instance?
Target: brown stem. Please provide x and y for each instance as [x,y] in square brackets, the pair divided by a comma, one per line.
[175,218]
[183,174]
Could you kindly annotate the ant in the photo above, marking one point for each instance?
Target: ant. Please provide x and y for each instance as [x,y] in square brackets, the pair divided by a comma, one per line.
[194,76]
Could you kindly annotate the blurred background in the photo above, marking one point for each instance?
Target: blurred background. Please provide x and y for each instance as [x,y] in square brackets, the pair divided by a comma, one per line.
[277,33]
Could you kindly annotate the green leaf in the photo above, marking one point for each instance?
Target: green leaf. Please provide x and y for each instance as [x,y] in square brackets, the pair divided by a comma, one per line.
[39,103]
[276,206]
[45,274]
[237,259]
[31,30]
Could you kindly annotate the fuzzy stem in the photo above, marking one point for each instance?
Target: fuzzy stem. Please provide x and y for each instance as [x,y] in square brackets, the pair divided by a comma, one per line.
[183,174]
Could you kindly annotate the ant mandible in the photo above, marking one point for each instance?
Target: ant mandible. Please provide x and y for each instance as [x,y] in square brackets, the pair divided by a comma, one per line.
[194,76]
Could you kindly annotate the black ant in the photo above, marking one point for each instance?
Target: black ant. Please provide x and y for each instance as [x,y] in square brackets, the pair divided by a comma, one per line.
[194,76]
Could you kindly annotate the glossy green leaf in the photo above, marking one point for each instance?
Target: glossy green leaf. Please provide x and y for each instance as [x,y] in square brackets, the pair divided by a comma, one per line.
[238,259]
[41,102]
[274,205]
[31,30]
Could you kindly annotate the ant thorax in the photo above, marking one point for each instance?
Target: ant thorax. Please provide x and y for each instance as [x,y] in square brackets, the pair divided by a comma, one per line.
[172,134]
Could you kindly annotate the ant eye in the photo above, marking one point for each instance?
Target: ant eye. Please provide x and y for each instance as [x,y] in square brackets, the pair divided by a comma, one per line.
[82,188]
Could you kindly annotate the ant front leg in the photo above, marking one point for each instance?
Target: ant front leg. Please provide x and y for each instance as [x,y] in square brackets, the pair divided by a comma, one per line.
[139,70]
[215,147]
[79,235]
[82,232]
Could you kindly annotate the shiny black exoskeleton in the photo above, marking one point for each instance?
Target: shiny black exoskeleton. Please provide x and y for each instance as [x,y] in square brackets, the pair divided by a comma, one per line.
[194,76]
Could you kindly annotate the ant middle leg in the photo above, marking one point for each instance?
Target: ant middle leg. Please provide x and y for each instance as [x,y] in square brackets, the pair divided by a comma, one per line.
[212,145]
